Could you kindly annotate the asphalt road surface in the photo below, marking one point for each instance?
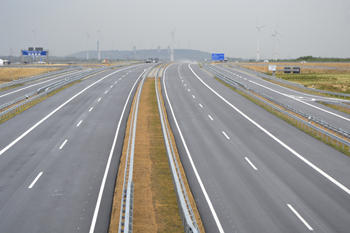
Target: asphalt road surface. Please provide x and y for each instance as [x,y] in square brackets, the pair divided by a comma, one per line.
[302,101]
[248,170]
[59,159]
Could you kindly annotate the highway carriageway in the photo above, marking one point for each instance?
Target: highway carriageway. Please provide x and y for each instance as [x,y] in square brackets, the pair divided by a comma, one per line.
[302,101]
[54,156]
[249,170]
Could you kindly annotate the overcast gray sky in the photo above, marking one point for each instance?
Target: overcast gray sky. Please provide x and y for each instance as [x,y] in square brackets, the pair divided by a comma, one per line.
[309,27]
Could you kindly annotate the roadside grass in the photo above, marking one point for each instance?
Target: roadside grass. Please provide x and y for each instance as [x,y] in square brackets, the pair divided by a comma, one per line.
[182,171]
[155,203]
[29,105]
[8,74]
[321,79]
[311,133]
[14,86]
[347,110]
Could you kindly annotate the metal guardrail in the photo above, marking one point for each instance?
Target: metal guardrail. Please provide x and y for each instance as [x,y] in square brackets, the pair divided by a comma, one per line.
[336,136]
[186,212]
[39,66]
[126,209]
[35,96]
[26,79]
[294,85]
[341,106]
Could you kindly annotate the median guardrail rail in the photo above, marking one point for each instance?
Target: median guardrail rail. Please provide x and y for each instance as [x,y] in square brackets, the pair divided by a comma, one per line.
[330,133]
[186,212]
[293,85]
[29,78]
[12,107]
[126,209]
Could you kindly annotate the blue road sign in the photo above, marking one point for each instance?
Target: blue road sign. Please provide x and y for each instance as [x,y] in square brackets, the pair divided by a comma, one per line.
[217,56]
[34,53]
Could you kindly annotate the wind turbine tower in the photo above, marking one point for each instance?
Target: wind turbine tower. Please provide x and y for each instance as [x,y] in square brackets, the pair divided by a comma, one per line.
[34,30]
[172,33]
[258,27]
[275,37]
[98,50]
[87,51]
[98,43]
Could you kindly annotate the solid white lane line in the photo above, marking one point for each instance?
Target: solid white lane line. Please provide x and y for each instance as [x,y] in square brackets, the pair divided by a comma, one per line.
[225,135]
[251,164]
[79,123]
[91,109]
[99,99]
[98,203]
[35,180]
[106,92]
[301,101]
[300,218]
[345,189]
[201,105]
[193,96]
[54,111]
[210,117]
[64,143]
[211,207]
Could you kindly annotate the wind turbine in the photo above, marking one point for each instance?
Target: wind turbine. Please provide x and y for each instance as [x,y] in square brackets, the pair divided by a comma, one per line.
[87,38]
[172,33]
[258,27]
[34,30]
[98,43]
[275,37]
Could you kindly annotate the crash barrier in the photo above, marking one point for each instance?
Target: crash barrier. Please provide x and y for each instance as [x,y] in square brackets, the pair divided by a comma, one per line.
[329,133]
[341,106]
[13,107]
[293,85]
[187,216]
[127,201]
[29,78]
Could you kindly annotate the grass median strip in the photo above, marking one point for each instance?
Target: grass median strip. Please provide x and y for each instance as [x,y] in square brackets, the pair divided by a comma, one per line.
[155,204]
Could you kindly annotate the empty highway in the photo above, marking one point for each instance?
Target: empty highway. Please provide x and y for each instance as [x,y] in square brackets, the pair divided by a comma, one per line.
[302,101]
[249,170]
[58,159]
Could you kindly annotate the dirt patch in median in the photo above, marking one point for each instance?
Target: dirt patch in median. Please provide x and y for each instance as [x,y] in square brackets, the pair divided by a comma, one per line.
[155,204]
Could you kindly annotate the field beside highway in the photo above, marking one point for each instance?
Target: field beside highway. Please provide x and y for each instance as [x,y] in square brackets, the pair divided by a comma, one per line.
[336,80]
[8,74]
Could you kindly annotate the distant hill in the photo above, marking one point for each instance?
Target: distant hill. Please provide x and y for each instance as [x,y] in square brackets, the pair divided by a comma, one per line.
[179,54]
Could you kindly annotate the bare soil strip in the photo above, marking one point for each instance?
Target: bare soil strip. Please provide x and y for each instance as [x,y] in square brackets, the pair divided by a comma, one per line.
[155,204]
